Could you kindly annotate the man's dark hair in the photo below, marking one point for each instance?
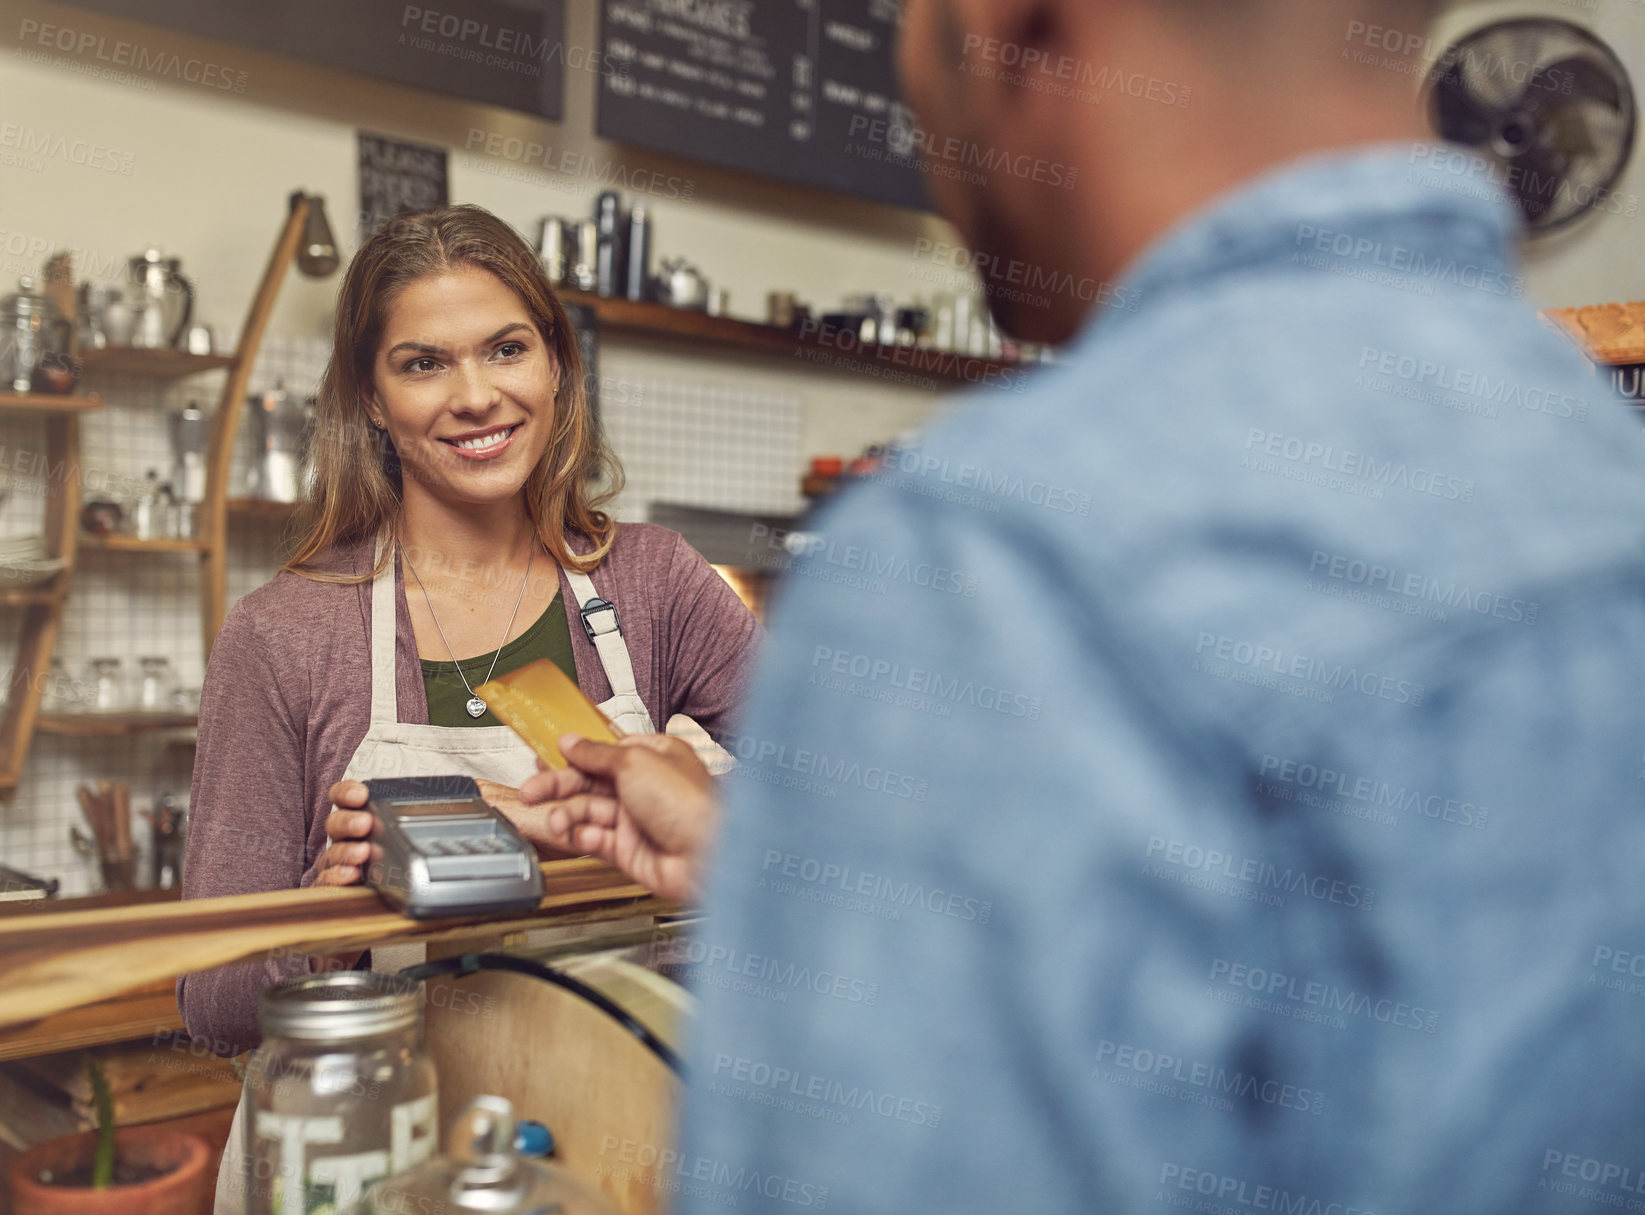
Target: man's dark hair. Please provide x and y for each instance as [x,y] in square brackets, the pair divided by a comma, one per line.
[1410,15]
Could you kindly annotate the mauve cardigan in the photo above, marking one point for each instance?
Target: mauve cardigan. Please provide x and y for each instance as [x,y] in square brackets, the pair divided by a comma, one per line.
[287,700]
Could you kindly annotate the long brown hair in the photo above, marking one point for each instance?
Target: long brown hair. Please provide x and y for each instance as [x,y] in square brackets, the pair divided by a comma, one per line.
[355,473]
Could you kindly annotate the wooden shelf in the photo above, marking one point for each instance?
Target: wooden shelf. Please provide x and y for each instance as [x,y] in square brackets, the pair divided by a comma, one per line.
[60,415]
[85,725]
[261,508]
[47,402]
[836,349]
[159,364]
[116,542]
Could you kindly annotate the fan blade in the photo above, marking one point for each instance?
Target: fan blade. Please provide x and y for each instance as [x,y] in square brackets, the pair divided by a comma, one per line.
[1539,175]
[1498,56]
[1458,115]
[1588,79]
[1569,130]
[1566,83]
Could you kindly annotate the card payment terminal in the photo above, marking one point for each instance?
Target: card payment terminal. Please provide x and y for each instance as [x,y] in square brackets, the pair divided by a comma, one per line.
[440,850]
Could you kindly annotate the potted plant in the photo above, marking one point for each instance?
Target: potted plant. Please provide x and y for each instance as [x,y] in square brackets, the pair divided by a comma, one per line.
[137,1170]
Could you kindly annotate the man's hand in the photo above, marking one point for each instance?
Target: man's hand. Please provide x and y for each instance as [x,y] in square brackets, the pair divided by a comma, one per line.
[505,799]
[645,804]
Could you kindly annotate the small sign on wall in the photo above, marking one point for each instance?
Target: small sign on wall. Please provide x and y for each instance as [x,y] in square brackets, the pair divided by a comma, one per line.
[397,176]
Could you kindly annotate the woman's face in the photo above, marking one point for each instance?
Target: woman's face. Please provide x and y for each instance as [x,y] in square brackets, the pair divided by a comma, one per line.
[465,386]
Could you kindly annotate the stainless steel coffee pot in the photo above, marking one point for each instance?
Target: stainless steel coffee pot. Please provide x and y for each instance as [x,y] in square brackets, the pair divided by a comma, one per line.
[34,342]
[162,299]
[682,284]
[281,424]
[190,440]
[104,318]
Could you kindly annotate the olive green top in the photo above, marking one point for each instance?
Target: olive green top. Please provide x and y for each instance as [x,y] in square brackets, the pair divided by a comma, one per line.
[548,637]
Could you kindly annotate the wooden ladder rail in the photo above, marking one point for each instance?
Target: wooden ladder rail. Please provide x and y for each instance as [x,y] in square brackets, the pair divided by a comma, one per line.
[226,426]
[41,621]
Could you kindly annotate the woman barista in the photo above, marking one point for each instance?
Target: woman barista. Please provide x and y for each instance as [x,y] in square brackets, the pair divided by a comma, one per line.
[453,535]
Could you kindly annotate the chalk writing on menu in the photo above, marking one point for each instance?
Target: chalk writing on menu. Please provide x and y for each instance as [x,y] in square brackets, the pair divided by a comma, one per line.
[503,52]
[801,90]
[397,176]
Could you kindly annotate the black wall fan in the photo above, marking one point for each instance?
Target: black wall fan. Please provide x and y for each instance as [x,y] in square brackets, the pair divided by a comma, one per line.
[1549,103]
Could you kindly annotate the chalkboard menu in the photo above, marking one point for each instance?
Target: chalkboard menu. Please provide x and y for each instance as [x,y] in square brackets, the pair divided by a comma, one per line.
[802,90]
[397,176]
[509,53]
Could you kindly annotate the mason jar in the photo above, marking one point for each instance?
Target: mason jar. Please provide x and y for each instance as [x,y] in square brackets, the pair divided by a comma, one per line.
[156,684]
[340,1093]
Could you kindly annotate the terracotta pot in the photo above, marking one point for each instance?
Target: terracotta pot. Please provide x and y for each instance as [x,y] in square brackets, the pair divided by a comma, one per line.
[181,1190]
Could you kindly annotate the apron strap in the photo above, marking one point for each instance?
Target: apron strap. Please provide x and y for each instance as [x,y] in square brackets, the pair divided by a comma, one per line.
[599,617]
[384,709]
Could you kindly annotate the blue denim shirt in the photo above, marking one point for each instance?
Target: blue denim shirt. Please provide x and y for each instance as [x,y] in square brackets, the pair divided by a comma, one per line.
[1210,780]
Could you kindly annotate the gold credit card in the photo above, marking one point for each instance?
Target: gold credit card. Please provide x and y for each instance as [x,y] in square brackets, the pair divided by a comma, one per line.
[540,702]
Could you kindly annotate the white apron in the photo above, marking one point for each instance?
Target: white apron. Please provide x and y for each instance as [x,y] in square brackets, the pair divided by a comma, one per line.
[395,748]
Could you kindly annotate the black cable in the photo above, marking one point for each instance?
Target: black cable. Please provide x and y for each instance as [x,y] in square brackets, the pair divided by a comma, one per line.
[470,963]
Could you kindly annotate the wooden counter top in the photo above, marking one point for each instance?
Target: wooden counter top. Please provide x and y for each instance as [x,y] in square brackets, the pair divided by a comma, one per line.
[53,961]
[144,1012]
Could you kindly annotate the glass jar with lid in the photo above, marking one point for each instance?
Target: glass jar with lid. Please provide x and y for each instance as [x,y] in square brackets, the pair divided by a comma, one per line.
[340,1094]
[157,685]
[106,685]
[61,693]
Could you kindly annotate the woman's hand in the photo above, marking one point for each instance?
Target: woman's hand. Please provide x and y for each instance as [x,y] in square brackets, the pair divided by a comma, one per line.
[348,832]
[347,853]
[645,804]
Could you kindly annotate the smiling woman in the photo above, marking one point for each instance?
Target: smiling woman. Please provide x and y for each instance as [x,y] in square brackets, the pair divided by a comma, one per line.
[449,324]
[455,455]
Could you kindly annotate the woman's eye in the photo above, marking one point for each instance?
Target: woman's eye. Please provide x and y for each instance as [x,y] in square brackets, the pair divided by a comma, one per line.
[511,350]
[423,364]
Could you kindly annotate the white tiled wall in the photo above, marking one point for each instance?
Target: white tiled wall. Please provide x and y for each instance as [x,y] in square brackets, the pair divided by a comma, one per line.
[706,445]
[700,443]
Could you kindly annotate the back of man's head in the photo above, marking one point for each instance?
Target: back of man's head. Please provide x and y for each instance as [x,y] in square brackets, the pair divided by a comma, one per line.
[1105,123]
[1394,14]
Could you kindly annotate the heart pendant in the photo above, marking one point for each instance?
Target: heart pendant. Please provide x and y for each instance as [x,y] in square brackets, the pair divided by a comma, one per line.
[476,707]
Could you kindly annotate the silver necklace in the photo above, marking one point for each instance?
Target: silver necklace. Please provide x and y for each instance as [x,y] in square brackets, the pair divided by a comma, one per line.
[476,707]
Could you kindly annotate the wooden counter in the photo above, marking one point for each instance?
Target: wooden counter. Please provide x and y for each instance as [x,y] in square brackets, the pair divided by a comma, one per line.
[75,973]
[52,961]
[140,1013]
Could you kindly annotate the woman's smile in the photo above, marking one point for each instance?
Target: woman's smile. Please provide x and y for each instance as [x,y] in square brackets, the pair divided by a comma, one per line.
[485,444]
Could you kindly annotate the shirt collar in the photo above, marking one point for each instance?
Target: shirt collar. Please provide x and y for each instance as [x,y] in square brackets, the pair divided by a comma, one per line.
[1430,199]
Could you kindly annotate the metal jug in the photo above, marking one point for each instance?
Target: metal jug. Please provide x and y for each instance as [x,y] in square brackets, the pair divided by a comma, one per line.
[682,284]
[162,299]
[104,318]
[280,430]
[190,440]
[34,343]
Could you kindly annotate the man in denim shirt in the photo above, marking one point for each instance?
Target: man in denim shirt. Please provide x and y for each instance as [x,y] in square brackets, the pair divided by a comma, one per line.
[1209,779]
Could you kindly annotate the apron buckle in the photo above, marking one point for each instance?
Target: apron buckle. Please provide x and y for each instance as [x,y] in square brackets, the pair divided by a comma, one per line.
[594,607]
